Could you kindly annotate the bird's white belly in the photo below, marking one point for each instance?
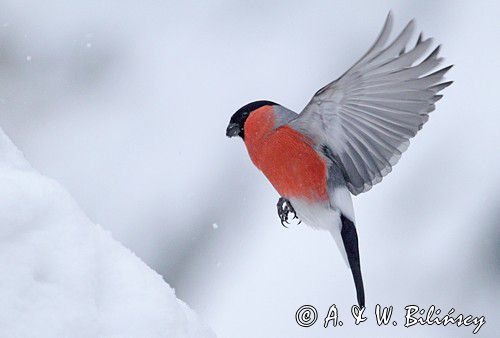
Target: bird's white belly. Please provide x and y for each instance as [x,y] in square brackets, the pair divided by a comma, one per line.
[316,215]
[326,216]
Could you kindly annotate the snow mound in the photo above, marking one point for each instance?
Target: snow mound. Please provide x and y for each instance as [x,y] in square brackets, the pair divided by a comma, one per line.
[63,276]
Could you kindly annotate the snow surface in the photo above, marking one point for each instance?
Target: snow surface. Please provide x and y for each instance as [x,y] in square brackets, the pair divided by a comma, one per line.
[63,276]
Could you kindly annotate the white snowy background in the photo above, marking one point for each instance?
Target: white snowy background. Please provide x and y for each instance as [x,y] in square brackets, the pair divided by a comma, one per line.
[125,103]
[63,276]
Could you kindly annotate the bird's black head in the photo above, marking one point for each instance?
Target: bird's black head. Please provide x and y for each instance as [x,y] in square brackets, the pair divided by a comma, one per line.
[237,122]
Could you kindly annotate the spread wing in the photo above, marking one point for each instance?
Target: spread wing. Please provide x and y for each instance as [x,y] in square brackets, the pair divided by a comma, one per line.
[366,117]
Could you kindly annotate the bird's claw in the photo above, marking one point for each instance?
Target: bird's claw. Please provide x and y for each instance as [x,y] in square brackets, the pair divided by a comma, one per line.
[284,209]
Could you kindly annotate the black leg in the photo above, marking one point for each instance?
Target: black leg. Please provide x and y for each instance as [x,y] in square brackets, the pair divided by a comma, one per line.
[284,208]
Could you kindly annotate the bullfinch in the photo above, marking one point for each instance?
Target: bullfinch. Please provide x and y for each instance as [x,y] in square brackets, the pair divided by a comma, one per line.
[348,137]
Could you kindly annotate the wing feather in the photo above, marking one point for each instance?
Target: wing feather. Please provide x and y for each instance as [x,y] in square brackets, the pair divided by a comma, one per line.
[367,116]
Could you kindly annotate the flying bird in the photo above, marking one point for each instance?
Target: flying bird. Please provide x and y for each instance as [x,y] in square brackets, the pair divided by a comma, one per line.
[347,138]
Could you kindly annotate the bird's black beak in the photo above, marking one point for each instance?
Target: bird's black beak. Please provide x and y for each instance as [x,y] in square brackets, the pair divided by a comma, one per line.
[233,129]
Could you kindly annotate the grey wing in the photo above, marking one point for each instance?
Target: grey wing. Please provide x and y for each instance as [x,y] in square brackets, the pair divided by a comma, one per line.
[367,116]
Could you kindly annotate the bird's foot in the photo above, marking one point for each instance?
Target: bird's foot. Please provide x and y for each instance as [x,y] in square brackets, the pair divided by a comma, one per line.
[284,209]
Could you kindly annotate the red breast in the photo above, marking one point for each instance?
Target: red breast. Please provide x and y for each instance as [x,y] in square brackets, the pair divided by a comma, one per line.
[286,157]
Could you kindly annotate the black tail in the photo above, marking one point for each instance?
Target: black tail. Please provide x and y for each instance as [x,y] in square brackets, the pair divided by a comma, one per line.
[350,239]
